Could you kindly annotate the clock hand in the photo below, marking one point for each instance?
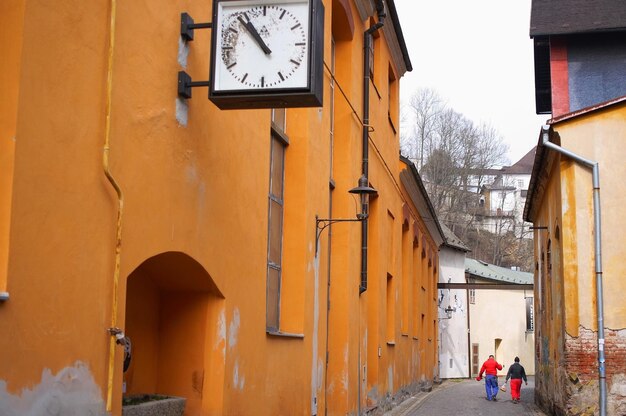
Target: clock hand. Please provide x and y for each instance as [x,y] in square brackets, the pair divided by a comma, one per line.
[255,35]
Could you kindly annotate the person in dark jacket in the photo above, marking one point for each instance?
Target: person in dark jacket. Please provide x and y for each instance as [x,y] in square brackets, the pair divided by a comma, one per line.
[490,368]
[516,373]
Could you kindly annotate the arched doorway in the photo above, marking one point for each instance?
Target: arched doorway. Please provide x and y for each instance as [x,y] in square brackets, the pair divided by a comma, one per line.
[173,310]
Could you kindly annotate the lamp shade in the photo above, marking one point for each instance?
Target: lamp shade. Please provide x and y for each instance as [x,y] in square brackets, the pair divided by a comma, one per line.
[363,187]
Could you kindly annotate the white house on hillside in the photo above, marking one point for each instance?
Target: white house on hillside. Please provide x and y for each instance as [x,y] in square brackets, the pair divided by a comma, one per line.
[502,200]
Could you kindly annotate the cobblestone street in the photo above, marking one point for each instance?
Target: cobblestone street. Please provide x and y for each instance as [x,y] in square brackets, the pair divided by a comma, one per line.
[467,397]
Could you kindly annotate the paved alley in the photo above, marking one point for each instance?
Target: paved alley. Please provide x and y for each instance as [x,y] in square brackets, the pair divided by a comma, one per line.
[467,397]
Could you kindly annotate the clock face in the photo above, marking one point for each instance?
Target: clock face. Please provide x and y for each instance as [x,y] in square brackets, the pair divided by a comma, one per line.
[262,45]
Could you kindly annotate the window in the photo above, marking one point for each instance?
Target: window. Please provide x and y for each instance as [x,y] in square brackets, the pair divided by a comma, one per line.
[530,315]
[391,308]
[472,296]
[279,119]
[275,221]
[406,259]
[416,281]
[392,99]
[475,359]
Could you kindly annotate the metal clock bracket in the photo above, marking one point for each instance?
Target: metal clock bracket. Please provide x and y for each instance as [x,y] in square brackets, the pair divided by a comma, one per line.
[185,84]
[187,26]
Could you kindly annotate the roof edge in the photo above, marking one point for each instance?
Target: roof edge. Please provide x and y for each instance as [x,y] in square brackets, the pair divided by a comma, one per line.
[393,14]
[422,189]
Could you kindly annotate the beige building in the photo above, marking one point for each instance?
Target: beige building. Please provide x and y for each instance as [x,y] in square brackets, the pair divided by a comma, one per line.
[500,315]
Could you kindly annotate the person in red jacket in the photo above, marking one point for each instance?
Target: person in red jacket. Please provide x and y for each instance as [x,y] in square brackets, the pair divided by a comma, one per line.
[490,368]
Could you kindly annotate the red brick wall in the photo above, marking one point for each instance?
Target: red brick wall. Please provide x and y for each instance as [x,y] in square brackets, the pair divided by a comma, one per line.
[581,355]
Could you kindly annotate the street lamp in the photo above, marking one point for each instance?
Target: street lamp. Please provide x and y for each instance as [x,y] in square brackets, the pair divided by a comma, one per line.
[362,189]
[449,311]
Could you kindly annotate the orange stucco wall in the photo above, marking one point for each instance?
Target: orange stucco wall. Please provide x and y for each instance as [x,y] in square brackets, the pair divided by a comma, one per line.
[11,25]
[194,223]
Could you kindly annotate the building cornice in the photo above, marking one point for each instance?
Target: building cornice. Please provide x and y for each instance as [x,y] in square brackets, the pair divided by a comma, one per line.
[392,31]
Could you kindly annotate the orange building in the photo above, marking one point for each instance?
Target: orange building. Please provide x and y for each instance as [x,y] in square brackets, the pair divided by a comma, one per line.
[129,213]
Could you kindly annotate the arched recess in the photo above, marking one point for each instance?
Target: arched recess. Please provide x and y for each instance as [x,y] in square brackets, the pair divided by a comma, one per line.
[342,20]
[173,315]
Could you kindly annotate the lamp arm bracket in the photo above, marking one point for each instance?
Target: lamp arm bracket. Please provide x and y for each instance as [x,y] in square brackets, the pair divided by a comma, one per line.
[322,223]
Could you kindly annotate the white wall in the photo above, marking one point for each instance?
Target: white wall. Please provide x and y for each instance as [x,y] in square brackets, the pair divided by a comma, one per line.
[453,342]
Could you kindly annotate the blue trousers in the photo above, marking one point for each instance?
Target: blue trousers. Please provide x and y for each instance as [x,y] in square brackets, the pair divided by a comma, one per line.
[491,386]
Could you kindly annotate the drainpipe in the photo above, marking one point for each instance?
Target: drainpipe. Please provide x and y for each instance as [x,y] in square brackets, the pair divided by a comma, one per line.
[115,333]
[367,41]
[363,180]
[469,328]
[597,231]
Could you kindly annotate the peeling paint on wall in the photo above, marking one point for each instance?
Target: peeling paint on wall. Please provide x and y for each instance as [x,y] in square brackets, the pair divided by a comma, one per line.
[71,392]
[182,111]
[315,338]
[344,373]
[238,381]
[183,52]
[220,339]
[233,329]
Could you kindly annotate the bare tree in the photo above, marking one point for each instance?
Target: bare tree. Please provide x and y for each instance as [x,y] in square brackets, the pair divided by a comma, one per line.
[420,116]
[456,158]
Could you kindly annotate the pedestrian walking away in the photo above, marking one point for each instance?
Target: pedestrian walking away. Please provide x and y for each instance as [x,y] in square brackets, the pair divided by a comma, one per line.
[490,368]
[516,373]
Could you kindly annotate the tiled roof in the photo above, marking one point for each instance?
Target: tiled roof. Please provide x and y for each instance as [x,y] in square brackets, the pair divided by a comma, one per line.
[451,240]
[490,271]
[524,165]
[554,17]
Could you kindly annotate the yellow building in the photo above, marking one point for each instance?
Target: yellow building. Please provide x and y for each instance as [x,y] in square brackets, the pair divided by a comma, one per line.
[129,213]
[579,288]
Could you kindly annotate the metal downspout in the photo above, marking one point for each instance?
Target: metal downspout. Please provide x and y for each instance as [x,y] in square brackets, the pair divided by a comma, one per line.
[367,41]
[113,330]
[597,228]
[469,328]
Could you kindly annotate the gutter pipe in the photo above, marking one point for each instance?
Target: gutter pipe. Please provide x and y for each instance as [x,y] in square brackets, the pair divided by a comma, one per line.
[469,328]
[597,228]
[363,180]
[367,42]
[116,334]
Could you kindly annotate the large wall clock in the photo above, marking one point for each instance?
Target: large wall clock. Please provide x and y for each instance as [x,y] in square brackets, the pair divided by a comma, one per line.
[267,53]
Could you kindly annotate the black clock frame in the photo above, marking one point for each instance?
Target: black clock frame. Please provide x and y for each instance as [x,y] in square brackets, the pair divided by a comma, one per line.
[311,96]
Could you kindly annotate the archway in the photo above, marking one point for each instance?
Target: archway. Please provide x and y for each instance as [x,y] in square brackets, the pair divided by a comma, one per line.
[173,308]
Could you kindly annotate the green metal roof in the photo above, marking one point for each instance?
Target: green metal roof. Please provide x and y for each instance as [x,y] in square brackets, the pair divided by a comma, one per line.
[490,271]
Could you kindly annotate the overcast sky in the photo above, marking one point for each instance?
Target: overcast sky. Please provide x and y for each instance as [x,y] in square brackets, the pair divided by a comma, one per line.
[478,56]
